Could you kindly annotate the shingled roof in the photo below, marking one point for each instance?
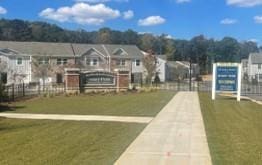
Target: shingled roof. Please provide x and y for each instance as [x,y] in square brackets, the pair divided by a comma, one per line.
[256,58]
[68,49]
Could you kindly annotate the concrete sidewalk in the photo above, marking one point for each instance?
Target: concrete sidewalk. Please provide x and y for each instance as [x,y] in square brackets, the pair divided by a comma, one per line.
[124,119]
[175,137]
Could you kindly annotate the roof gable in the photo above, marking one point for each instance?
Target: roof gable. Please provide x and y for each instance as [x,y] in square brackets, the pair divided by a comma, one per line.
[93,52]
[120,52]
[256,58]
[8,51]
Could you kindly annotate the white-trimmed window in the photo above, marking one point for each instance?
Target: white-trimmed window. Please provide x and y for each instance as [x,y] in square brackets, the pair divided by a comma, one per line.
[259,66]
[95,62]
[137,62]
[19,61]
[61,61]
[121,62]
[43,60]
[92,62]
[88,62]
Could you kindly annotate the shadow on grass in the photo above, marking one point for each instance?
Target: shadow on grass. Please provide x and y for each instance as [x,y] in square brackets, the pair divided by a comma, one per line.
[231,98]
[6,108]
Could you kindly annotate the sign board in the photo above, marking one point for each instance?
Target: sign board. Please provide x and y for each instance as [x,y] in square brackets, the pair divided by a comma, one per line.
[226,78]
[99,78]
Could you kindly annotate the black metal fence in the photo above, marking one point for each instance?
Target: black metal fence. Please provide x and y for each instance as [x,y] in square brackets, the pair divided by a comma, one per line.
[247,89]
[17,91]
[185,86]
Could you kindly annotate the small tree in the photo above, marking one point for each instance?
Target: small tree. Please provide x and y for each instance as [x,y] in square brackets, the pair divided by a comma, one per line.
[42,71]
[16,76]
[157,79]
[150,64]
[3,69]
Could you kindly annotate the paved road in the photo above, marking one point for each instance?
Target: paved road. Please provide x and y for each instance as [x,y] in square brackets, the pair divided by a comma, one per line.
[78,117]
[175,137]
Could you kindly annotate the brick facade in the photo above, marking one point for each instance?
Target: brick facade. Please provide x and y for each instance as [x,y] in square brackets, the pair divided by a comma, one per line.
[72,79]
[123,79]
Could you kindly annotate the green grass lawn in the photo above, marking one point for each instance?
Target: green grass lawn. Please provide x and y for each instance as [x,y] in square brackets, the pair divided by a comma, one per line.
[131,104]
[64,142]
[234,130]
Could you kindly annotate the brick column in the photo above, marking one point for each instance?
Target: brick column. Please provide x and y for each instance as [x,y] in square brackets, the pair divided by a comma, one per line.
[123,80]
[72,79]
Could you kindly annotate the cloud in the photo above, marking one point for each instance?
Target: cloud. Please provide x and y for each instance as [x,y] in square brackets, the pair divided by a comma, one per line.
[183,1]
[151,21]
[128,14]
[253,40]
[81,13]
[258,19]
[169,36]
[228,21]
[244,3]
[2,10]
[100,1]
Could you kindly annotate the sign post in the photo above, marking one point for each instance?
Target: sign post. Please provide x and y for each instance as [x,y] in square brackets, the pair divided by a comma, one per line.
[226,78]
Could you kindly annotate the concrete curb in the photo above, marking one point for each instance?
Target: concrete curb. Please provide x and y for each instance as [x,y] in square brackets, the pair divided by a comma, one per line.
[243,97]
[124,119]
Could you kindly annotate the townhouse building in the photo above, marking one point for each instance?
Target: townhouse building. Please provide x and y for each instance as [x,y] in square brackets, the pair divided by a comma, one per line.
[27,61]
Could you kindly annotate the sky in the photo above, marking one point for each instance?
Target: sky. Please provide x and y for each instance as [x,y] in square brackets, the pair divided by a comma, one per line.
[180,19]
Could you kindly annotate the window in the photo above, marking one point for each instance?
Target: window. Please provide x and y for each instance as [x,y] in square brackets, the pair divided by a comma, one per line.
[3,78]
[43,61]
[19,61]
[88,62]
[61,61]
[121,62]
[92,62]
[137,62]
[259,66]
[59,78]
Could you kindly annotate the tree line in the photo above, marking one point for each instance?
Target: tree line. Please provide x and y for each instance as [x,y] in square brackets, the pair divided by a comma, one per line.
[199,49]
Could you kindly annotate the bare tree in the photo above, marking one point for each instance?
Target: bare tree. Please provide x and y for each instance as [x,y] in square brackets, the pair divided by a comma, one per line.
[3,69]
[42,70]
[150,64]
[16,76]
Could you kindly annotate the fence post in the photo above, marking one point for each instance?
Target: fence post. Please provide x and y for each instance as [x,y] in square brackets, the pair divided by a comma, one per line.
[198,86]
[39,90]
[1,91]
[23,89]
[13,92]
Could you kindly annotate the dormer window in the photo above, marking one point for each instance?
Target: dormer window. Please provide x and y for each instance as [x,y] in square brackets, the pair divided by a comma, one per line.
[19,61]
[92,62]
